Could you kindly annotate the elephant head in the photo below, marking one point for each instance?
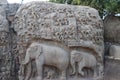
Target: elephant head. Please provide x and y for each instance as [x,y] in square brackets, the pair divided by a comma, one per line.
[33,52]
[76,57]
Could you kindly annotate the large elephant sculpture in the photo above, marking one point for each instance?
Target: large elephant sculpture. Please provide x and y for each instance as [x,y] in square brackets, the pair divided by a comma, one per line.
[47,55]
[84,60]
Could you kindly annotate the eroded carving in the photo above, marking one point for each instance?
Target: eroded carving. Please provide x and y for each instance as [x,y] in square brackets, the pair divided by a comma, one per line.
[83,60]
[47,55]
[64,27]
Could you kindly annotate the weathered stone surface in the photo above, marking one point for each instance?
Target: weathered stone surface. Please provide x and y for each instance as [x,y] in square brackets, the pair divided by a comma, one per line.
[8,52]
[112,29]
[4,46]
[64,26]
[2,11]
[3,2]
[112,42]
[114,51]
[112,71]
[11,10]
[3,21]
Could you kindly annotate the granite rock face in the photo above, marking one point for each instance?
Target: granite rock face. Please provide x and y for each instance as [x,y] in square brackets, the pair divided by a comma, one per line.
[64,27]
[8,58]
[112,37]
[3,2]
[11,11]
[112,45]
[4,46]
[112,29]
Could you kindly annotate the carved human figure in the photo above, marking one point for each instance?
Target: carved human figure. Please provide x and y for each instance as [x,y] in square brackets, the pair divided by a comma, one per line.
[47,55]
[84,60]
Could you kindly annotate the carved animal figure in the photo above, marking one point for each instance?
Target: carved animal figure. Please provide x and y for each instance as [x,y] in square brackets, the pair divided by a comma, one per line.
[84,60]
[47,55]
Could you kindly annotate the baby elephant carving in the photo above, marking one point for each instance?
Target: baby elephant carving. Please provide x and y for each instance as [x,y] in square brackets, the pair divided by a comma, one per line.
[47,55]
[84,60]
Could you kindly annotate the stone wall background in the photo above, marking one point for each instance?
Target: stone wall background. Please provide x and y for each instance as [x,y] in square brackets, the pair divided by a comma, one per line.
[112,37]
[8,47]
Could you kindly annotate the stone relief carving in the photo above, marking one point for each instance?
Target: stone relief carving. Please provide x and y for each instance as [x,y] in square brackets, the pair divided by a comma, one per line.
[59,29]
[84,60]
[47,55]
[70,28]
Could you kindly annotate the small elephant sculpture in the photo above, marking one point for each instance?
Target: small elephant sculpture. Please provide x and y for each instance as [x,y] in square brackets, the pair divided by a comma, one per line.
[84,60]
[47,55]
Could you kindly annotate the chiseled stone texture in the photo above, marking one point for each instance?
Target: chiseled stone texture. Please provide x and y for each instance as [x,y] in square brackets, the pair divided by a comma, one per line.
[65,26]
[4,46]
[8,59]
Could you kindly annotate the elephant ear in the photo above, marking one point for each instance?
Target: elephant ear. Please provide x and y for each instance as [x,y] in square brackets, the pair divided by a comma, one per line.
[33,49]
[40,49]
[79,56]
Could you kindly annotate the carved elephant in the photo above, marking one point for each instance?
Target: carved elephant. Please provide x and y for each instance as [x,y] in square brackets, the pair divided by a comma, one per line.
[84,60]
[47,55]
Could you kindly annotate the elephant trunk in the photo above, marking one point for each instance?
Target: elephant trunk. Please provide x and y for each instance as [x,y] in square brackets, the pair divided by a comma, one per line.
[27,59]
[73,66]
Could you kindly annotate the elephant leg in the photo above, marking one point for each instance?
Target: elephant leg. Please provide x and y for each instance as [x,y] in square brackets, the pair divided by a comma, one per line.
[29,71]
[73,67]
[63,75]
[80,67]
[39,65]
[27,59]
[95,72]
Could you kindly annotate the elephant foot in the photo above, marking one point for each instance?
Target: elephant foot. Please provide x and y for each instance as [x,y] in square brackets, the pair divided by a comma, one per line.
[95,76]
[48,77]
[73,73]
[81,73]
[63,78]
[39,78]
[21,78]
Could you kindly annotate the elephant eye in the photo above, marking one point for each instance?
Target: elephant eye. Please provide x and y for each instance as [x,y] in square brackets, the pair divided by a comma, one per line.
[28,51]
